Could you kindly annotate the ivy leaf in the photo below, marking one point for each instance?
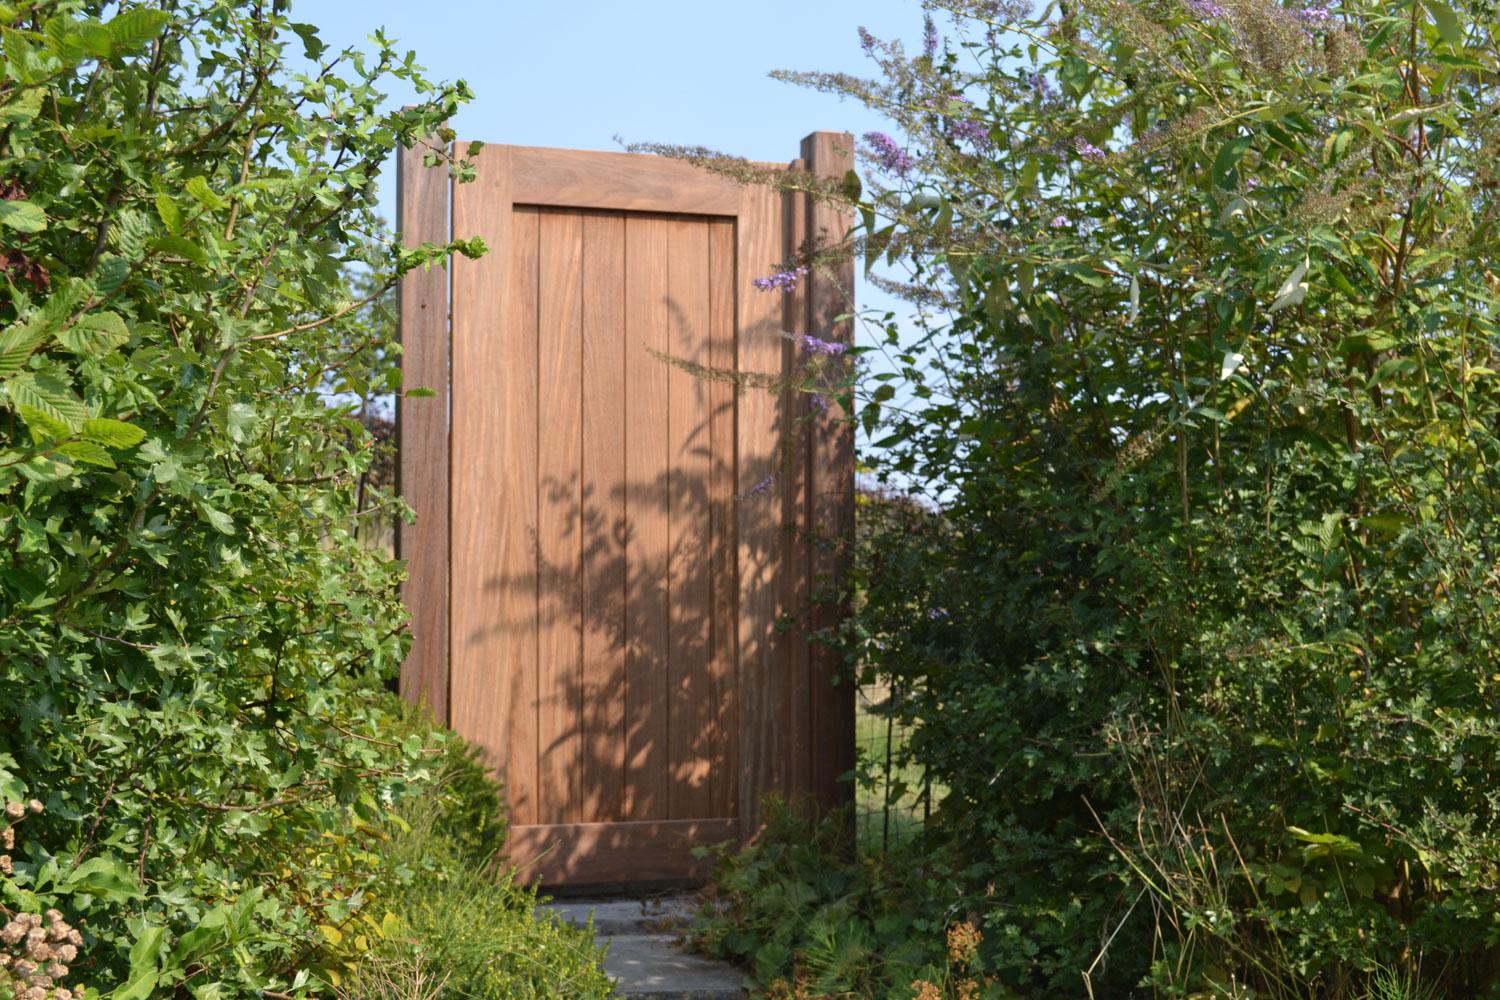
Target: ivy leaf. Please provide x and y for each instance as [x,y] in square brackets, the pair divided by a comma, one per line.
[22,216]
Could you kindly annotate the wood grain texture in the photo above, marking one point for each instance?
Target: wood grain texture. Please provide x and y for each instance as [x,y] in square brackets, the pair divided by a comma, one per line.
[831,496]
[762,667]
[723,570]
[796,564]
[422,431]
[577,179]
[576,854]
[602,765]
[494,515]
[647,531]
[559,534]
[690,524]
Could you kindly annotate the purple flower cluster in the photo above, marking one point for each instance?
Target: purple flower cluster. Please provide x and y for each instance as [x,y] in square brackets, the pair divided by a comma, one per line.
[1313,17]
[1059,222]
[1204,8]
[1088,150]
[819,403]
[762,487]
[824,348]
[929,37]
[963,128]
[784,281]
[893,158]
[867,42]
[1042,86]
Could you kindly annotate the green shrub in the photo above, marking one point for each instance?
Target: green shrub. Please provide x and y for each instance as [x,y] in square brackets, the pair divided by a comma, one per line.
[810,916]
[189,624]
[1200,636]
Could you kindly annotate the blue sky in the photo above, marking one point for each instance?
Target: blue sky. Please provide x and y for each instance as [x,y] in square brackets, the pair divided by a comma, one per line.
[578,73]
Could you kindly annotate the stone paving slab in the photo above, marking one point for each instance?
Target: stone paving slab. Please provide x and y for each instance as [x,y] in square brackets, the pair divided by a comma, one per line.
[643,958]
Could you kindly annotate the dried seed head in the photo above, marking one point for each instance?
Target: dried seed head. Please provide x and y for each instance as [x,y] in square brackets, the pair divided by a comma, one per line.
[14,810]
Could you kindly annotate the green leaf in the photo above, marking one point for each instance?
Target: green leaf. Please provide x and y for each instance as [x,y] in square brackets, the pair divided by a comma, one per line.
[108,878]
[1449,28]
[42,426]
[220,521]
[135,26]
[168,212]
[95,333]
[198,189]
[48,394]
[421,392]
[112,433]
[22,216]
[17,344]
[87,452]
[1225,172]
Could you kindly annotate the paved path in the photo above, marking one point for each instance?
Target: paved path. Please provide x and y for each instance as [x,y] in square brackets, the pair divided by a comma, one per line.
[643,956]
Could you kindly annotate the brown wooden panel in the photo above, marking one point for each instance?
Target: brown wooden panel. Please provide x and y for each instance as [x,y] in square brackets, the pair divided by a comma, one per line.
[576,179]
[795,567]
[762,668]
[647,538]
[689,434]
[594,853]
[422,431]
[831,496]
[559,538]
[494,515]
[722,569]
[602,771]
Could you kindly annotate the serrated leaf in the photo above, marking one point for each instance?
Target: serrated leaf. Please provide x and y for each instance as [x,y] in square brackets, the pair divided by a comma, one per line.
[48,394]
[22,216]
[42,426]
[1293,289]
[112,433]
[135,26]
[1448,26]
[169,213]
[198,189]
[17,344]
[87,451]
[331,934]
[95,333]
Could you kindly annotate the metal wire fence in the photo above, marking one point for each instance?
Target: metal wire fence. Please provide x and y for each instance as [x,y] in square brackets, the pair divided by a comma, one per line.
[894,796]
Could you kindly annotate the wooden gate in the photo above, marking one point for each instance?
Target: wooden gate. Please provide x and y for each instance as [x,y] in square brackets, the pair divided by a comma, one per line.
[614,558]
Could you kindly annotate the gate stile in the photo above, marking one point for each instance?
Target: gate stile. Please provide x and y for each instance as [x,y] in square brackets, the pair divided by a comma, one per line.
[595,584]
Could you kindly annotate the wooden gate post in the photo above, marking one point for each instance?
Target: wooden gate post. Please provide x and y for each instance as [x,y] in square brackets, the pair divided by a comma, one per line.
[422,200]
[830,484]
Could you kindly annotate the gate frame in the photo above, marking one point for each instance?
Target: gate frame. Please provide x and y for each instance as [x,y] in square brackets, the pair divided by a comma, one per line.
[818,499]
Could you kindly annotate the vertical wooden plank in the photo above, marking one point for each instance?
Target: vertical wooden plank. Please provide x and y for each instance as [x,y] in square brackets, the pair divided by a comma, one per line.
[722,571]
[691,593]
[559,535]
[758,346]
[422,430]
[831,486]
[494,512]
[604,413]
[796,571]
[647,535]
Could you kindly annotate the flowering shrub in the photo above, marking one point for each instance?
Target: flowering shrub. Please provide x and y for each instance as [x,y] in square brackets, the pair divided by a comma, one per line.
[35,949]
[1200,636]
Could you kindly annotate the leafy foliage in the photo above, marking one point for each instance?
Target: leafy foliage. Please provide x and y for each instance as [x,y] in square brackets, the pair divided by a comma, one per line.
[1199,635]
[189,626]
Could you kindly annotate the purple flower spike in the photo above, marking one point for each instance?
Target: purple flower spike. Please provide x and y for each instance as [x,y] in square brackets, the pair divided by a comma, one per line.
[1204,8]
[1041,85]
[1314,17]
[929,37]
[893,158]
[867,42]
[784,281]
[760,488]
[1088,150]
[976,132]
[819,403]
[824,348]
[1059,222]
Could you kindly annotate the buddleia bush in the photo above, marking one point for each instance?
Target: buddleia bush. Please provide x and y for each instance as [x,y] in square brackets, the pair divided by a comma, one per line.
[189,628]
[1201,635]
